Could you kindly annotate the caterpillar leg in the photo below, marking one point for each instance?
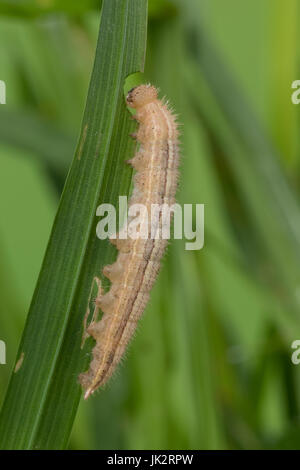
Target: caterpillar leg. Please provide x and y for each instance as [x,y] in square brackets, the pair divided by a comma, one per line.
[133,135]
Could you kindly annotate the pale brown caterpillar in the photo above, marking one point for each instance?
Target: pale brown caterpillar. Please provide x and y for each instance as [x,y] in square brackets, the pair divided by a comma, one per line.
[138,262]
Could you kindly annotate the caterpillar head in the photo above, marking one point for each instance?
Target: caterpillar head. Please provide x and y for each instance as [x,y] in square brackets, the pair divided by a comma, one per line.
[141,95]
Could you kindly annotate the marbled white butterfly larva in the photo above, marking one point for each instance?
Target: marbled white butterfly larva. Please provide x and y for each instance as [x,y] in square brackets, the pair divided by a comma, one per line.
[135,270]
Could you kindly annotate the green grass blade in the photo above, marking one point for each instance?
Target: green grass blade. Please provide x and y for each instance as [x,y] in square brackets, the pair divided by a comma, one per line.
[43,395]
[252,162]
[264,157]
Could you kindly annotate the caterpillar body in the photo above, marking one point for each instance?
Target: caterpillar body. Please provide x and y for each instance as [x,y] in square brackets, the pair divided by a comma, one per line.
[135,270]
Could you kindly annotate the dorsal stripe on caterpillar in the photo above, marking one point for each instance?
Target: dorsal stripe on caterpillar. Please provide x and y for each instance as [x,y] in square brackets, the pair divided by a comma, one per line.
[138,262]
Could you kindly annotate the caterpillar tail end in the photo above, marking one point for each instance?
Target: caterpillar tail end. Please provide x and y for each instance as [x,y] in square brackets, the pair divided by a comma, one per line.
[88,393]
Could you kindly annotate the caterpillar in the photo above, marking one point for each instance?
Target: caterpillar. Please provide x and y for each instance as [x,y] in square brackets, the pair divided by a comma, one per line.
[138,262]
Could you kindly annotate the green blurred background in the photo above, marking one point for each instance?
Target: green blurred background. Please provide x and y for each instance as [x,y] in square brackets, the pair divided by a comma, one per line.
[210,366]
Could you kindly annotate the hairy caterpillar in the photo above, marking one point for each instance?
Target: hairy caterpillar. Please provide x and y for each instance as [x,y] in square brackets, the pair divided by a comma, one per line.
[138,262]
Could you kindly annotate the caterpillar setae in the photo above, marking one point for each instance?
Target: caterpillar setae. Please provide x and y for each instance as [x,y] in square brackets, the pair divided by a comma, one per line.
[135,270]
